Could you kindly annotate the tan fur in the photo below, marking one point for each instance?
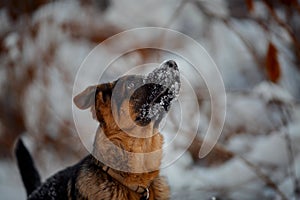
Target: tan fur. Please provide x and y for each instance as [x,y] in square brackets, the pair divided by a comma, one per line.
[119,130]
[91,187]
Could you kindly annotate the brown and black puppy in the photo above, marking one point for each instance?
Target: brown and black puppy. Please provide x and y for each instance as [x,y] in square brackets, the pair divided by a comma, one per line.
[127,148]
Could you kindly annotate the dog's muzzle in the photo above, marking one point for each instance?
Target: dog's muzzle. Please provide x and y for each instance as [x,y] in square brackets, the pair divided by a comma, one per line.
[166,81]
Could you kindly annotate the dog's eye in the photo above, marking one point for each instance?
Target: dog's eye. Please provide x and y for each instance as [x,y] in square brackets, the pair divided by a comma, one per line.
[130,85]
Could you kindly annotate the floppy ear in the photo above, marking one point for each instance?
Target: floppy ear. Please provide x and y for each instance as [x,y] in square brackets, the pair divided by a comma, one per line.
[86,98]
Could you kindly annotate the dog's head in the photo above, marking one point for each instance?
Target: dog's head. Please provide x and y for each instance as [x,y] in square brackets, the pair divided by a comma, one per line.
[133,100]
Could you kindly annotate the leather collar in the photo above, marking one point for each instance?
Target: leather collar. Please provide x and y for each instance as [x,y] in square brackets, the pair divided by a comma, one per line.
[136,188]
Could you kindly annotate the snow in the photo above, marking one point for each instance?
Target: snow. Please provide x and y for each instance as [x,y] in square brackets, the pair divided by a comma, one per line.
[253,128]
[166,77]
[264,147]
[11,186]
[10,43]
[269,91]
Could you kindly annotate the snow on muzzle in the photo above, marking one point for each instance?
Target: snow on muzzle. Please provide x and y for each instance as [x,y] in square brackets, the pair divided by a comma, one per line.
[166,75]
[165,86]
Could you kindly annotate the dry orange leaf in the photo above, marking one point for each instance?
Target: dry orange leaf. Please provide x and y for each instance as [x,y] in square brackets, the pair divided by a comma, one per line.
[250,5]
[272,64]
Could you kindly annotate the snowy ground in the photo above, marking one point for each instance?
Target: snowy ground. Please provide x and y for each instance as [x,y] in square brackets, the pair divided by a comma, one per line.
[256,124]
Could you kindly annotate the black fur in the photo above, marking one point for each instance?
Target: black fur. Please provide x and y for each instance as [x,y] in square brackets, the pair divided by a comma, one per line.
[57,186]
[30,176]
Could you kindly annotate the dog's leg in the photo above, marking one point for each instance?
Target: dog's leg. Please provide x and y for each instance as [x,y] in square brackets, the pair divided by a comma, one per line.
[30,176]
[160,188]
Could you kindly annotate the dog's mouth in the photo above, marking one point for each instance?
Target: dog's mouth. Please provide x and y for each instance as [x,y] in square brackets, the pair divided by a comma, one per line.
[153,99]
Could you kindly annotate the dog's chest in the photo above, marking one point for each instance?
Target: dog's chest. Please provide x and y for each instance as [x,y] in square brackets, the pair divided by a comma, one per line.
[98,185]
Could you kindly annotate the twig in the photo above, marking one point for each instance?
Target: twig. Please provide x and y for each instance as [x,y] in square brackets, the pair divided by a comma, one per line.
[229,25]
[285,26]
[291,156]
[176,13]
[269,182]
[265,178]
[246,43]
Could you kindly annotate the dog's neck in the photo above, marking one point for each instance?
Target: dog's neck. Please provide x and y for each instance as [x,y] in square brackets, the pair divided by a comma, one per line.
[137,160]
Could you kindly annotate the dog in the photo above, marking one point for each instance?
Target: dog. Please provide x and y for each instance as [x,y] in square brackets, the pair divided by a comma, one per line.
[127,151]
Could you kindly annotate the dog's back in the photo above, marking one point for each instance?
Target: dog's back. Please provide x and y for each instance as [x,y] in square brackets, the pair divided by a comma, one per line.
[56,187]
[83,180]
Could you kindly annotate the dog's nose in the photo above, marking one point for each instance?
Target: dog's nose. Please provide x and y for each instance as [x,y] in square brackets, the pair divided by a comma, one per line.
[172,64]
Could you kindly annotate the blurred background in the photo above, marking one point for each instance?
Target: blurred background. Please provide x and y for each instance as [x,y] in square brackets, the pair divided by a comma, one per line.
[255,44]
